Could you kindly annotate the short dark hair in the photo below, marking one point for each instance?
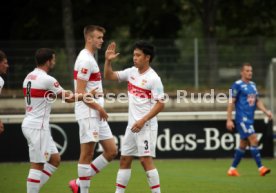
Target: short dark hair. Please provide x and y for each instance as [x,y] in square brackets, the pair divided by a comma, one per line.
[245,64]
[2,56]
[146,47]
[90,28]
[42,55]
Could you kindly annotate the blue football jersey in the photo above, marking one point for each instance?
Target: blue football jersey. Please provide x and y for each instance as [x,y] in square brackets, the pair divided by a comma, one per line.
[246,96]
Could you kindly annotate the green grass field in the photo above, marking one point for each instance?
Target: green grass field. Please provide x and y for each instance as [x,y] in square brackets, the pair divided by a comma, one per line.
[177,176]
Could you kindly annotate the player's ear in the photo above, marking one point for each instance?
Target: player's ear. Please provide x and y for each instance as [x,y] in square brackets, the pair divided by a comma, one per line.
[148,58]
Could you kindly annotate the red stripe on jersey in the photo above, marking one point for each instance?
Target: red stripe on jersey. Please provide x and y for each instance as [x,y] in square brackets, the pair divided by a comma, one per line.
[94,168]
[93,77]
[140,92]
[33,180]
[47,173]
[37,93]
[156,186]
[121,186]
[85,178]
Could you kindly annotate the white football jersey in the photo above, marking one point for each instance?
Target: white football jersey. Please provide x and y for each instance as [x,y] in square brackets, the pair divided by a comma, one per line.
[37,88]
[143,92]
[1,84]
[86,68]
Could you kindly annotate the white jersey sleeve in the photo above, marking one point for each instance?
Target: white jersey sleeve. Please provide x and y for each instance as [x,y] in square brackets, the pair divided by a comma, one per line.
[123,75]
[1,84]
[53,85]
[157,89]
[84,69]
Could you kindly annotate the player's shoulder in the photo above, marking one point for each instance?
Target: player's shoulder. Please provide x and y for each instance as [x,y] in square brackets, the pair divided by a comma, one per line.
[238,82]
[43,76]
[153,74]
[1,80]
[132,70]
[84,55]
[252,83]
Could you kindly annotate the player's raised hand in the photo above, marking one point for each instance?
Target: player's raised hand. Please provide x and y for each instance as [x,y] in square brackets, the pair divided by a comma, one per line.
[110,52]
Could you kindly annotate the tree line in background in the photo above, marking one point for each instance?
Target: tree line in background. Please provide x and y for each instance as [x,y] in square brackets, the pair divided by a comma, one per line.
[144,19]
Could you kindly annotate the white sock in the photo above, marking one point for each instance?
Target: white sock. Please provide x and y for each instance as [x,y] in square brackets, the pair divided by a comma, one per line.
[33,181]
[153,180]
[122,180]
[78,182]
[47,172]
[98,164]
[84,172]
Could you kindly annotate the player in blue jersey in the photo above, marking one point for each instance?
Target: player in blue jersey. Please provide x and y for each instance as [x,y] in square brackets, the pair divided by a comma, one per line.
[245,99]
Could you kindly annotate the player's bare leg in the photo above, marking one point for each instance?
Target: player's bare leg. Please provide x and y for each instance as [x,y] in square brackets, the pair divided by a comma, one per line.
[110,149]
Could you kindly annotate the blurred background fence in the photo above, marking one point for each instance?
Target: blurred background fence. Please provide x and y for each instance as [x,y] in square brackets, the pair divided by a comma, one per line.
[183,64]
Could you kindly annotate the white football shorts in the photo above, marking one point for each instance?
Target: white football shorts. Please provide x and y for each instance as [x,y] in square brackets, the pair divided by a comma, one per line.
[93,130]
[140,144]
[41,144]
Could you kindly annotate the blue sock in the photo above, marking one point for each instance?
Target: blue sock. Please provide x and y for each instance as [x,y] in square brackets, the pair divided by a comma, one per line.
[237,157]
[256,155]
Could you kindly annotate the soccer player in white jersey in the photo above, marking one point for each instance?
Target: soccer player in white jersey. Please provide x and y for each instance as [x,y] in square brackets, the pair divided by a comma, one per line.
[145,95]
[3,70]
[38,87]
[93,126]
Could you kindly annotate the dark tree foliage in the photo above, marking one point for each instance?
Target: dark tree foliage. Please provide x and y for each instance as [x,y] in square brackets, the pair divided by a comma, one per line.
[37,20]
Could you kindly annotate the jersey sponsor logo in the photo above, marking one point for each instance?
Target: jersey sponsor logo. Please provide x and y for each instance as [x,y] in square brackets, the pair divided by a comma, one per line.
[56,84]
[139,92]
[93,77]
[84,70]
[251,99]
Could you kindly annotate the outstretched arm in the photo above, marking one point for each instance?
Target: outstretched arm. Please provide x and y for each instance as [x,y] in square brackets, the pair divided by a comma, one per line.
[69,97]
[110,54]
